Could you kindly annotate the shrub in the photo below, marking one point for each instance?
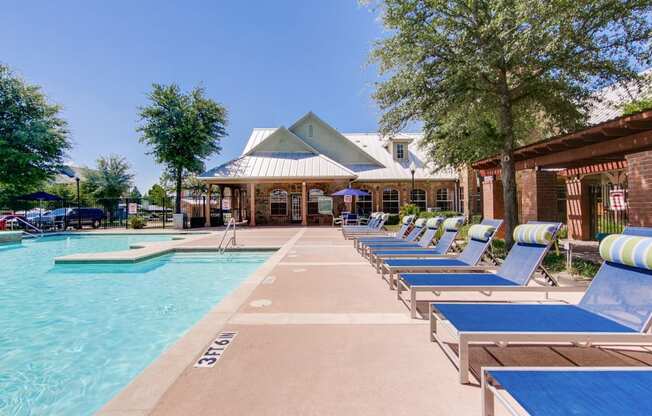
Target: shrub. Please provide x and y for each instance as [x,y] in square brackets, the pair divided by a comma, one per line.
[409,209]
[392,220]
[137,222]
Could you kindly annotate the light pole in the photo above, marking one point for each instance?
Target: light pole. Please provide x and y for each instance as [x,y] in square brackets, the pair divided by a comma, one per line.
[78,205]
[413,169]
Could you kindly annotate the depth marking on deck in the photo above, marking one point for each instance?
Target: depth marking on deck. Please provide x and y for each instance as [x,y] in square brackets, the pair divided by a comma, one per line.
[214,352]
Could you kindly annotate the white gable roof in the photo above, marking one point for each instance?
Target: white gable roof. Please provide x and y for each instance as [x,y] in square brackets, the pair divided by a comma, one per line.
[274,153]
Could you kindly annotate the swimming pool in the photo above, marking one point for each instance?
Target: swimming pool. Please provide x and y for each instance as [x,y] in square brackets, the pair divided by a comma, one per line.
[73,335]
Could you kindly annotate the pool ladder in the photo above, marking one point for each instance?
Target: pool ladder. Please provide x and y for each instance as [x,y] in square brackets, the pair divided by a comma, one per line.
[230,226]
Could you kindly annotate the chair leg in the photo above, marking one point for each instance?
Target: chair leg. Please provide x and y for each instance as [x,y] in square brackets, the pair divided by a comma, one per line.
[413,301]
[487,398]
[463,357]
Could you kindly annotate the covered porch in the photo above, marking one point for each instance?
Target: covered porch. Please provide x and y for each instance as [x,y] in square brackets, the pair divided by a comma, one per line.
[595,180]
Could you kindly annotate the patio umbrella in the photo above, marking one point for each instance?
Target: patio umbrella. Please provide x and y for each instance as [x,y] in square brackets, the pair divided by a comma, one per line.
[351,192]
[39,196]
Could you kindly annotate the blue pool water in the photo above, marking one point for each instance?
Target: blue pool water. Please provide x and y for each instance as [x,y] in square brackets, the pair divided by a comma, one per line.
[71,336]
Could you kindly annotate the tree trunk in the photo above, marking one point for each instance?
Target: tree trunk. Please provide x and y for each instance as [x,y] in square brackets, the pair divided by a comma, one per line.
[177,205]
[507,166]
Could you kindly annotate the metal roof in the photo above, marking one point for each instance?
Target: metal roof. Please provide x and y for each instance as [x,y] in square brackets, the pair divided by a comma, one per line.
[256,164]
[265,165]
[609,101]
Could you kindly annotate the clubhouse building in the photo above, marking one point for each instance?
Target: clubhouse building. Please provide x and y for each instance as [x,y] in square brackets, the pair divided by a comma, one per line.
[282,172]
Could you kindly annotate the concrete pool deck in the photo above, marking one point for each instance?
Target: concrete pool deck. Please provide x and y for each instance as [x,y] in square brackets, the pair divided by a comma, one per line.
[319,333]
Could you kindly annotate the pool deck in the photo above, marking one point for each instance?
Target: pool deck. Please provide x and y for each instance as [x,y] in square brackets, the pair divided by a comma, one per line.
[319,333]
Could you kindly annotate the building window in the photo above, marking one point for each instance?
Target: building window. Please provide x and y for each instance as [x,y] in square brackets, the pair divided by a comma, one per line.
[443,201]
[419,198]
[363,204]
[310,130]
[313,199]
[399,151]
[461,199]
[278,201]
[390,201]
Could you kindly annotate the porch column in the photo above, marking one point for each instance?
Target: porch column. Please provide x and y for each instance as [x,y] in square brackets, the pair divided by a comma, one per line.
[538,195]
[304,204]
[207,207]
[577,209]
[639,183]
[492,197]
[252,204]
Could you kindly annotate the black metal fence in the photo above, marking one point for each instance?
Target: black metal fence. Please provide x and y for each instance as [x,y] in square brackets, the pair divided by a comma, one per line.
[607,208]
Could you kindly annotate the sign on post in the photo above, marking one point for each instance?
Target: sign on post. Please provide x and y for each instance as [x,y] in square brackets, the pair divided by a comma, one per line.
[133,208]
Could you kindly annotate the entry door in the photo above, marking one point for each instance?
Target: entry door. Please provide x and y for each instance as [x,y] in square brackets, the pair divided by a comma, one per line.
[295,207]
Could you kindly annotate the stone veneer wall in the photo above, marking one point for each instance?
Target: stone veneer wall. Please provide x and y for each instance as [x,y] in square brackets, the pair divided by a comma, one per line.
[263,190]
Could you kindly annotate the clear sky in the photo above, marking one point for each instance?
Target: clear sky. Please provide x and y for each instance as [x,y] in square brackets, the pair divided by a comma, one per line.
[268,62]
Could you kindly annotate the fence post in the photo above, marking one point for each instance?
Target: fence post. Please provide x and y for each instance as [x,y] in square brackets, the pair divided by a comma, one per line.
[164,213]
[126,213]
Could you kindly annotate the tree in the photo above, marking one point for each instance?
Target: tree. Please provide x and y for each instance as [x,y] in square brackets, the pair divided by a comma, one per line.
[135,195]
[109,181]
[158,196]
[33,138]
[503,67]
[182,130]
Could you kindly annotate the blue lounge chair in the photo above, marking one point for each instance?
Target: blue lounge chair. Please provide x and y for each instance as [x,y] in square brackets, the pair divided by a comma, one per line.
[374,226]
[480,237]
[406,226]
[533,241]
[616,308]
[450,231]
[410,241]
[588,391]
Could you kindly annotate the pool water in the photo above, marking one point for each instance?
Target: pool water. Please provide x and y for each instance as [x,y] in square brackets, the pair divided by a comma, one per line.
[73,335]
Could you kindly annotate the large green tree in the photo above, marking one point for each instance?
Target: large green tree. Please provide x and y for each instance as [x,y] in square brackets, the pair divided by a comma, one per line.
[33,138]
[157,195]
[482,74]
[109,181]
[182,130]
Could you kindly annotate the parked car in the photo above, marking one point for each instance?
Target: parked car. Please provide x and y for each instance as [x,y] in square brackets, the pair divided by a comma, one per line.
[41,219]
[73,217]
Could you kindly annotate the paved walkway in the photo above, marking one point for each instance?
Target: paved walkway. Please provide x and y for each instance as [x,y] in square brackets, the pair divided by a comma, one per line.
[319,333]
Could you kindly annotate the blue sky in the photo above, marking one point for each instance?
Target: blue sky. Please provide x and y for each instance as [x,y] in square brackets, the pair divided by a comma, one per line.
[268,62]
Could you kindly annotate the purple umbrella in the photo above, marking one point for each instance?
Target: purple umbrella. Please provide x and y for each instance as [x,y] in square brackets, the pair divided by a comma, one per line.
[351,191]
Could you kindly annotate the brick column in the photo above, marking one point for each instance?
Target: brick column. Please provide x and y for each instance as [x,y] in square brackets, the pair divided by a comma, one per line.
[639,184]
[252,204]
[577,209]
[304,204]
[207,207]
[538,195]
[492,198]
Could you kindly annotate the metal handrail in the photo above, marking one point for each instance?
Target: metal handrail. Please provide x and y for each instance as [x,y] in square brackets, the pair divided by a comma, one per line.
[27,224]
[230,225]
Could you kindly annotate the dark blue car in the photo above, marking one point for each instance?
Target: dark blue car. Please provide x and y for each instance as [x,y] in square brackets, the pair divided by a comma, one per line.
[76,217]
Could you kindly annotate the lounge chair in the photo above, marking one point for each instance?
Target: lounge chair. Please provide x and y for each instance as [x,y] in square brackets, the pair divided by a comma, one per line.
[616,308]
[451,227]
[374,226]
[588,391]
[402,232]
[533,241]
[479,240]
[410,240]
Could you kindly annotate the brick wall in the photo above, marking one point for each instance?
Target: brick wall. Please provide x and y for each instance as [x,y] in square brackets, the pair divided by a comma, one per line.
[639,183]
[537,195]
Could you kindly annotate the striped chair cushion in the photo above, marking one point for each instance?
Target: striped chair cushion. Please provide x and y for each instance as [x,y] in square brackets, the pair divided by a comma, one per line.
[481,232]
[534,233]
[407,219]
[433,222]
[630,250]
[453,224]
[420,223]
